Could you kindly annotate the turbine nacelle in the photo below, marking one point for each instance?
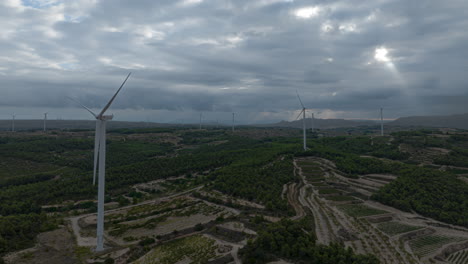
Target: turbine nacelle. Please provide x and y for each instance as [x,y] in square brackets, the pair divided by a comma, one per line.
[105,117]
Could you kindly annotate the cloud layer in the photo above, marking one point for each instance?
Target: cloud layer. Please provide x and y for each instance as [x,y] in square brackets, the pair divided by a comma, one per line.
[346,58]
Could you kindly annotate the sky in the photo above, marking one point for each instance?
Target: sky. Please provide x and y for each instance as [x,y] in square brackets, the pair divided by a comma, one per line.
[346,59]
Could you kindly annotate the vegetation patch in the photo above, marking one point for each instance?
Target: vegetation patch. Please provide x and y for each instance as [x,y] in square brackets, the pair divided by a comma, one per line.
[340,198]
[329,191]
[319,184]
[315,179]
[312,170]
[13,167]
[263,185]
[19,231]
[295,241]
[310,163]
[429,192]
[195,249]
[395,228]
[359,210]
[427,244]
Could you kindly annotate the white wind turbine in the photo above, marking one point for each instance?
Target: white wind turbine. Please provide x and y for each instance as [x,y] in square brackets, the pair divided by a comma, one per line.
[312,120]
[381,122]
[45,120]
[200,121]
[13,122]
[303,112]
[100,155]
[233,114]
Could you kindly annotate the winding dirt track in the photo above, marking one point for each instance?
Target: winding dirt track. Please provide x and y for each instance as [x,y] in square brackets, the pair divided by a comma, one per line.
[293,200]
[322,227]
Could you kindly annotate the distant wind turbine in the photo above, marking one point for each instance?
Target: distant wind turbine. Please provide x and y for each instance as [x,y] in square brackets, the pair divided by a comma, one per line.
[100,155]
[233,114]
[200,120]
[45,120]
[312,120]
[13,122]
[381,122]
[303,112]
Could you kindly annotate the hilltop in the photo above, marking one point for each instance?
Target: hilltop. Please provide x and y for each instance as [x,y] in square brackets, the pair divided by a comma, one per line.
[450,121]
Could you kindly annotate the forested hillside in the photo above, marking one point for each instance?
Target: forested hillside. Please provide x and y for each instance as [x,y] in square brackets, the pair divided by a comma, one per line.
[295,241]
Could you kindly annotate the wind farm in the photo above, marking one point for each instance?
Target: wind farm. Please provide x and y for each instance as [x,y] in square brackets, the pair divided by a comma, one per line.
[233,132]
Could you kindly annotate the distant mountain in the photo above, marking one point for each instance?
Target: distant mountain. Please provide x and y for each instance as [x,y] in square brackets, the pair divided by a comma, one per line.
[323,123]
[450,121]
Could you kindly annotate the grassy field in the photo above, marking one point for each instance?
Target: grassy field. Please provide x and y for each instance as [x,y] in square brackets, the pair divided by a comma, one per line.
[394,228]
[359,210]
[193,249]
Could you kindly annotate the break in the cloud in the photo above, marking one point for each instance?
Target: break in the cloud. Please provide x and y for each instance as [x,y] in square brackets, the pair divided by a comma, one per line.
[346,58]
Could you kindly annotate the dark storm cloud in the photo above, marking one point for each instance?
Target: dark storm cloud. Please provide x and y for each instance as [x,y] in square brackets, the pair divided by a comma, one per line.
[222,56]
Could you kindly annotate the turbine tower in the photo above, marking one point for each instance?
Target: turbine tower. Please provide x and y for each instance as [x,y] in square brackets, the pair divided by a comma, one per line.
[381,122]
[45,120]
[233,114]
[100,155]
[13,122]
[303,112]
[312,120]
[200,120]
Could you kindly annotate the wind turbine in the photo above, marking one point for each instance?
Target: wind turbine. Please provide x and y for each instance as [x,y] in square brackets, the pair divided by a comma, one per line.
[13,122]
[200,120]
[303,112]
[312,122]
[381,122]
[45,120]
[233,114]
[100,155]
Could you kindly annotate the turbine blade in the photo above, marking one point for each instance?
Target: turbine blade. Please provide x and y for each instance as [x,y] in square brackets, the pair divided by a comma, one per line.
[97,139]
[303,109]
[113,97]
[298,97]
[89,110]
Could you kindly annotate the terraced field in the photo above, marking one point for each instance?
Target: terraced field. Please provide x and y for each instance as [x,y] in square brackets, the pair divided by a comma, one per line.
[427,244]
[395,228]
[460,257]
[335,221]
[343,212]
[340,198]
[360,210]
